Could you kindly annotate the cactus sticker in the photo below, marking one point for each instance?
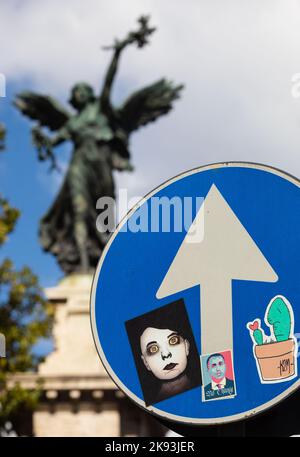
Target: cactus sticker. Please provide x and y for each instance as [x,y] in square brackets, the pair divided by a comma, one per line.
[275,354]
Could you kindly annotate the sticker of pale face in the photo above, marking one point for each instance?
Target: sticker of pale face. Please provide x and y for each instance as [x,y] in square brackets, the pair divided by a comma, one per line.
[164,352]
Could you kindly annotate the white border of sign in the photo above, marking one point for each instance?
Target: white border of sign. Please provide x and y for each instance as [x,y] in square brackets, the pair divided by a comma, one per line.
[155,411]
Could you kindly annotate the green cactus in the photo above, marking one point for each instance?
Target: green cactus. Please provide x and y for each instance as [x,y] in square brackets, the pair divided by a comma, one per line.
[258,336]
[279,317]
[257,332]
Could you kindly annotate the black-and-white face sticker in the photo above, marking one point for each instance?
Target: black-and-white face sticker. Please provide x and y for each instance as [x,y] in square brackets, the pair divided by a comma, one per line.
[164,352]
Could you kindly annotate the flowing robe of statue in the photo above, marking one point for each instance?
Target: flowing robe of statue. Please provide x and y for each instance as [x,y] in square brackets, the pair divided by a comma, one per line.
[100,135]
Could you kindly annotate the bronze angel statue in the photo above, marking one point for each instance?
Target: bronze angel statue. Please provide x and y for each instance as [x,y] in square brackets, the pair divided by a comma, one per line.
[100,135]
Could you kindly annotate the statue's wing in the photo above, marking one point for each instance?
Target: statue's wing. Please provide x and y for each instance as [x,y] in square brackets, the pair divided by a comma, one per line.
[147,104]
[42,108]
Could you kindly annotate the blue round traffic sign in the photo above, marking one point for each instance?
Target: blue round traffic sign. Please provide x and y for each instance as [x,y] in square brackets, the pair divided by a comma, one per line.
[195,305]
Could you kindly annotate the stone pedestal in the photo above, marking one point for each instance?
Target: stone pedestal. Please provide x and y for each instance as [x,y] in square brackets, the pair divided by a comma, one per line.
[78,397]
[74,350]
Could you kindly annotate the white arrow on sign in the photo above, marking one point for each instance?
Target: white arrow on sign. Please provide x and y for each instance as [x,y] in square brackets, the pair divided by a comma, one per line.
[225,252]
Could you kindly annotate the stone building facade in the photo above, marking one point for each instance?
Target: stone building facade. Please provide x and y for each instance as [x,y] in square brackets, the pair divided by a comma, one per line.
[78,398]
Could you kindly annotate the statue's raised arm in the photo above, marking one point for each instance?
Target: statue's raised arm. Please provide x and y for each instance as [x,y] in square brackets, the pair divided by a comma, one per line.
[140,37]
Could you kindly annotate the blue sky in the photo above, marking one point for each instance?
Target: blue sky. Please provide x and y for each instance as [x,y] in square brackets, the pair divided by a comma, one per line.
[21,182]
[22,179]
[236,60]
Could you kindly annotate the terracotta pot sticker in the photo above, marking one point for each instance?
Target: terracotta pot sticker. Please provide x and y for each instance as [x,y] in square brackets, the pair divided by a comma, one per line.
[276,354]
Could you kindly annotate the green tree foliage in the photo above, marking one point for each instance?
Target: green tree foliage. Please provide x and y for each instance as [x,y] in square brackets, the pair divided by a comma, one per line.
[25,317]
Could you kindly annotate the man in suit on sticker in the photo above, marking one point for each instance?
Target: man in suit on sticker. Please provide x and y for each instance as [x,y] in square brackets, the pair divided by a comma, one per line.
[220,385]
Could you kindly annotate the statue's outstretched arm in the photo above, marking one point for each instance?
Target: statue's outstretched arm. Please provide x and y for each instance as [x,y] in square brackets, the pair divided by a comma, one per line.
[45,144]
[61,136]
[109,78]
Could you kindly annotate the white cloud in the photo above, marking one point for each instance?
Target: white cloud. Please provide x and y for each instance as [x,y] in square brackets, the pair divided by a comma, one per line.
[236,59]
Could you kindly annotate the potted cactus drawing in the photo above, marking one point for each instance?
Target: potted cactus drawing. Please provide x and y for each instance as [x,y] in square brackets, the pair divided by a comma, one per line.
[275,354]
